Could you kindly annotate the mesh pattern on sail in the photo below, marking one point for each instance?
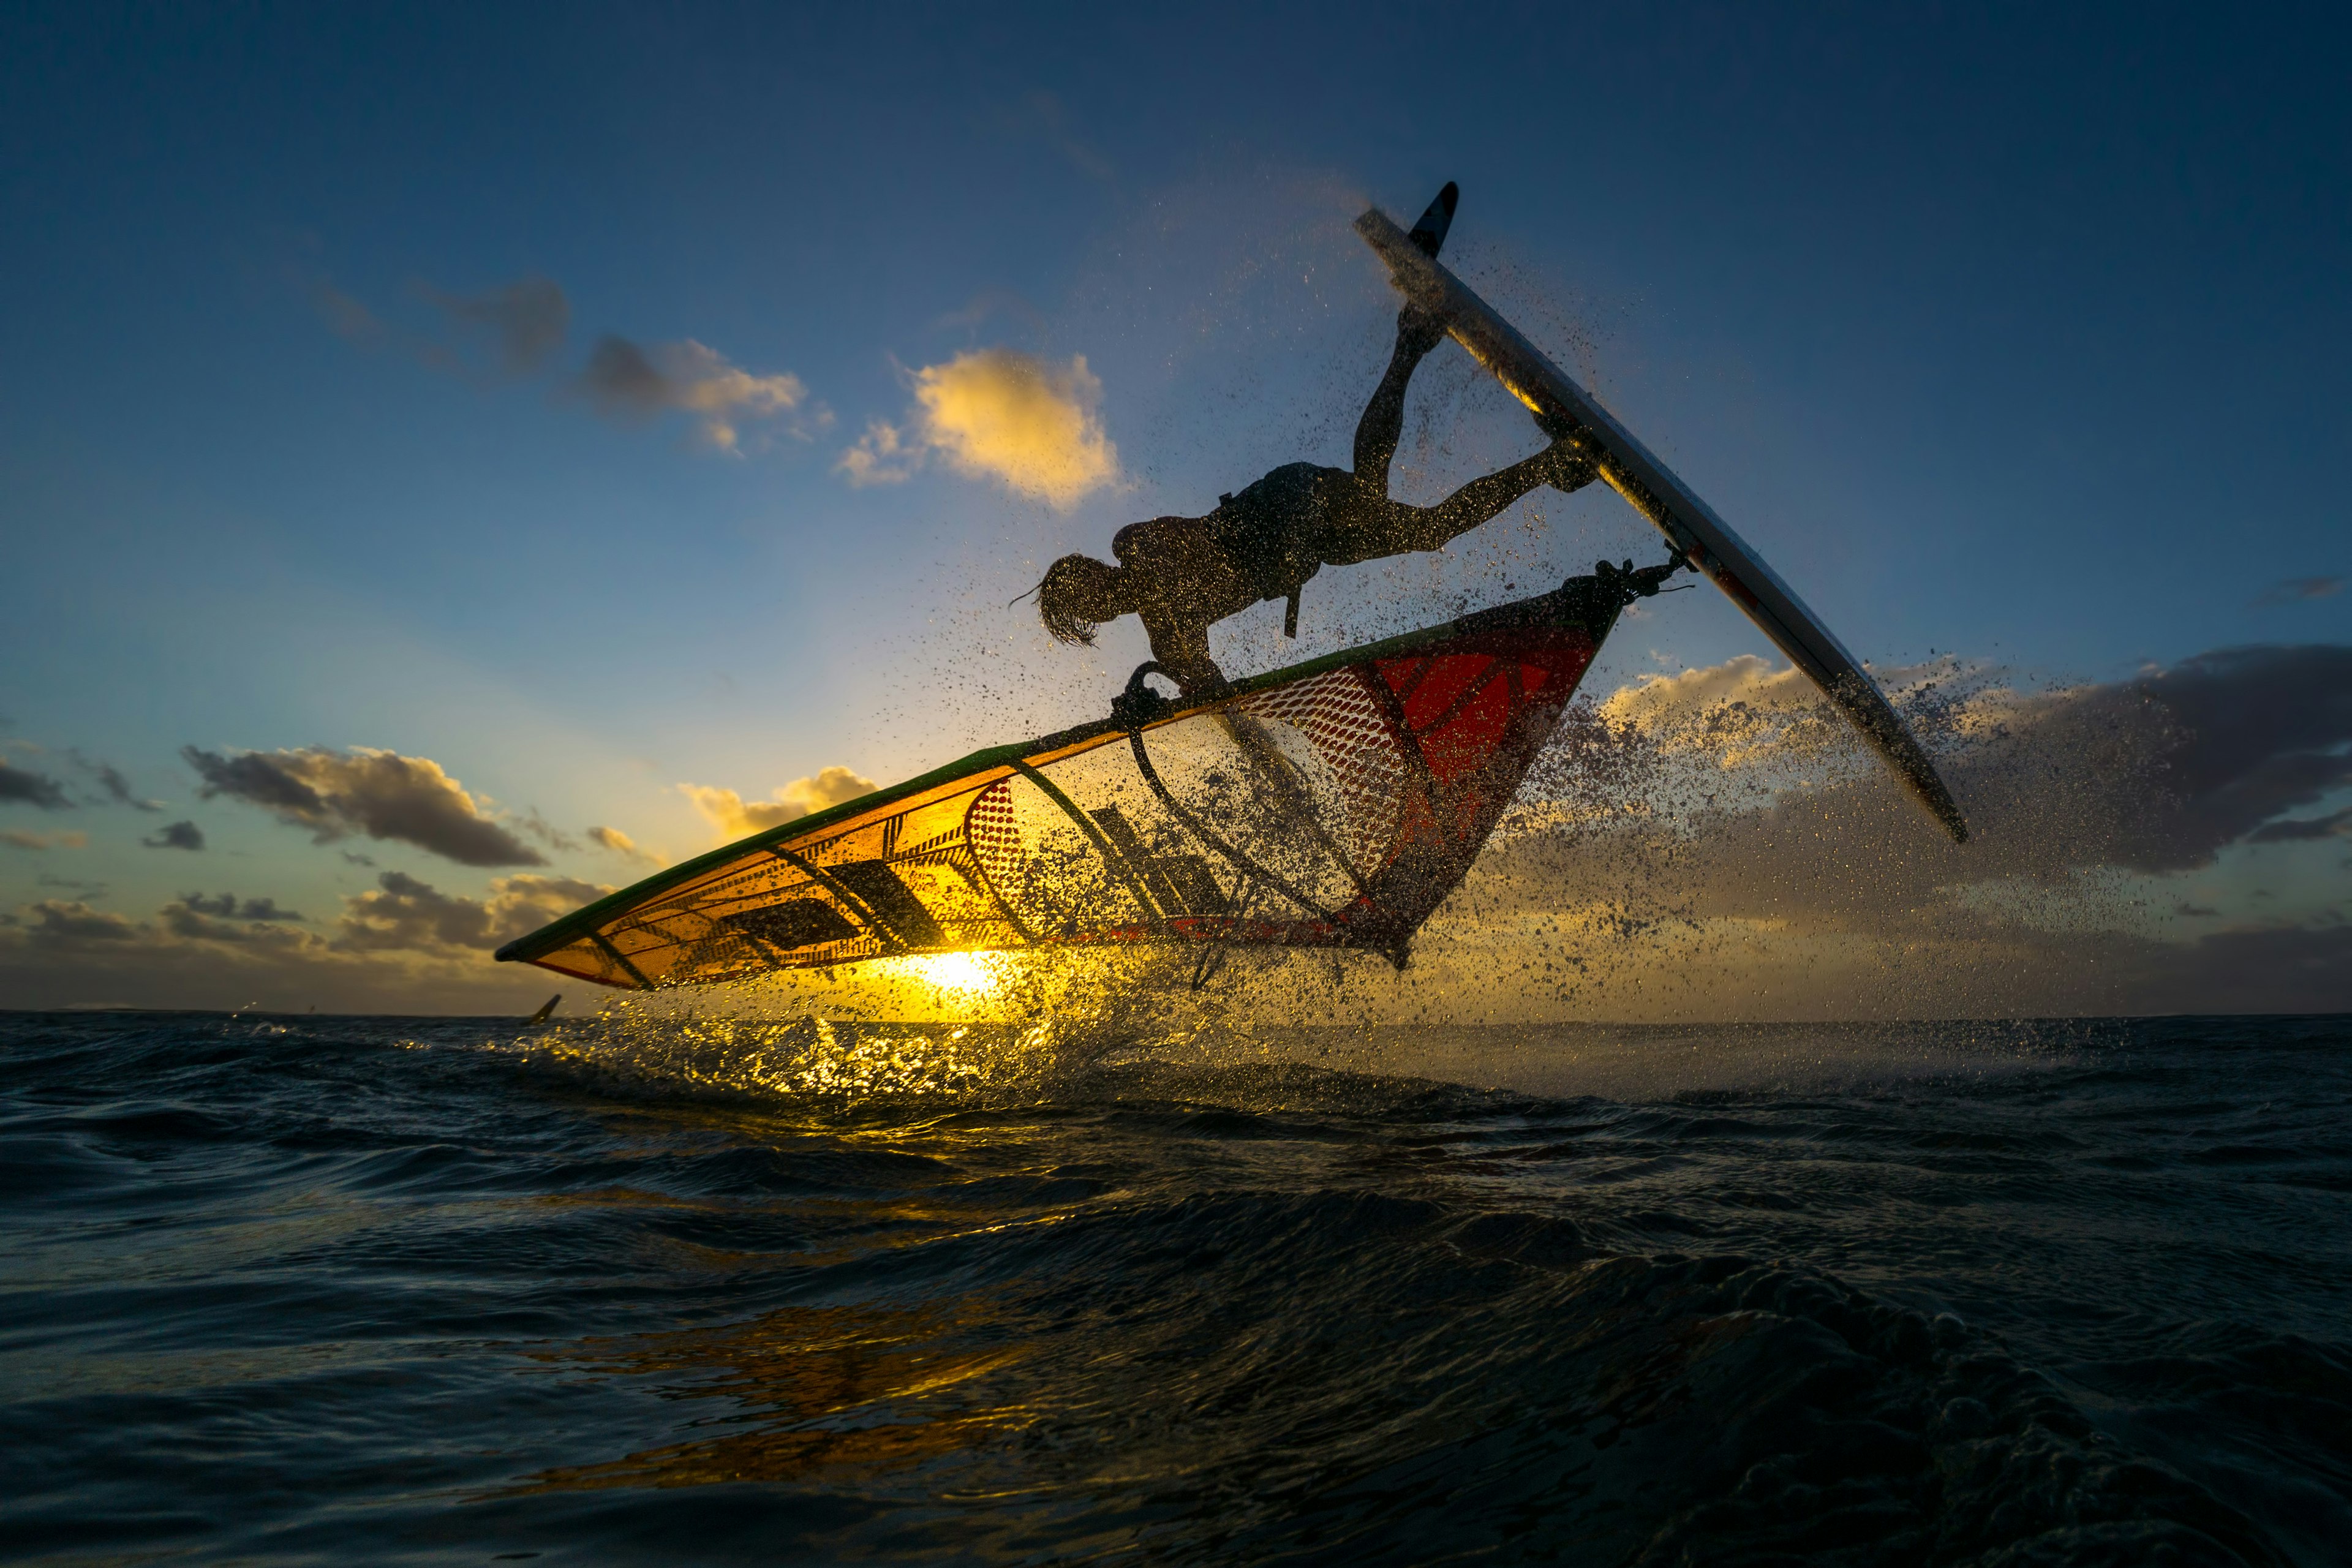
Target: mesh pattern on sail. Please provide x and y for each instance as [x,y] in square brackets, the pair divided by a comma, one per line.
[1350,732]
[994,837]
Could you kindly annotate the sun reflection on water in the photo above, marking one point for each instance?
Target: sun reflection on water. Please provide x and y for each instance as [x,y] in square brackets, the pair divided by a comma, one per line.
[864,1389]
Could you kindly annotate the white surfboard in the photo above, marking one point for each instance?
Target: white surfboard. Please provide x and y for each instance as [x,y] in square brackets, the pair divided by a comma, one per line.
[1689,523]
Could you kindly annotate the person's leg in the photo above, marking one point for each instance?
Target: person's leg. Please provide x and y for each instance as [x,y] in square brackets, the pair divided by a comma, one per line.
[1376,526]
[1382,426]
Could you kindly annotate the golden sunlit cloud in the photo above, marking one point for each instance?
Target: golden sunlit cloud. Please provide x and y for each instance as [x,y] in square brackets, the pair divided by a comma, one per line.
[882,457]
[621,844]
[1741,711]
[17,838]
[734,816]
[1032,424]
[1657,702]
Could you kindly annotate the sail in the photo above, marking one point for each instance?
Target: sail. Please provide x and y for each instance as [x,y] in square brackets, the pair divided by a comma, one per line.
[1333,804]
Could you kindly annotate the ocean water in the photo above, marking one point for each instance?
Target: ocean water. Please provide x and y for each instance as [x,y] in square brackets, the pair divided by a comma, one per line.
[284,1289]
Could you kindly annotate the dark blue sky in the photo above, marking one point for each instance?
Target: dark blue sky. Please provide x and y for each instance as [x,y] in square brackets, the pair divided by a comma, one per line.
[2018,332]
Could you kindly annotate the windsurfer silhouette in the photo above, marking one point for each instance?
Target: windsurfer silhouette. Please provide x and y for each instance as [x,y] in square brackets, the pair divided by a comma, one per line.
[1182,575]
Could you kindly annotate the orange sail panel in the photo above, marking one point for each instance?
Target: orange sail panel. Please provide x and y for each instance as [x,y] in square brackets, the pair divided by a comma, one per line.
[1336,804]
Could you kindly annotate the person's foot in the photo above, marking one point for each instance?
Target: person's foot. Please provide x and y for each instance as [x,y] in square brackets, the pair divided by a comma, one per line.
[1419,330]
[1570,463]
[1559,426]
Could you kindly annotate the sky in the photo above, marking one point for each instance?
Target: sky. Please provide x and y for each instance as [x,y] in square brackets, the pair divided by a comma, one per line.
[457,459]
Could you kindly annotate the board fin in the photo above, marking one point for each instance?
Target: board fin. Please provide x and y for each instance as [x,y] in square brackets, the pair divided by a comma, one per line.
[1429,234]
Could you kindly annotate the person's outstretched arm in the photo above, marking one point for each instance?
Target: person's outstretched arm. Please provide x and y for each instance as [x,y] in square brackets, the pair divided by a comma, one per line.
[1393,528]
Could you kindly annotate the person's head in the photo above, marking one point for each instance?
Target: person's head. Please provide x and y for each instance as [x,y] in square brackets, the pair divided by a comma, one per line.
[1078,594]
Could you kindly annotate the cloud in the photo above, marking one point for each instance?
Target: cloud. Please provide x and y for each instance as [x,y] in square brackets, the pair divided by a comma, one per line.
[997,413]
[412,915]
[734,816]
[117,787]
[1657,702]
[525,321]
[881,456]
[26,787]
[380,793]
[2154,775]
[621,844]
[1740,713]
[17,838]
[2335,824]
[546,832]
[1674,854]
[2296,590]
[405,947]
[1042,115]
[523,326]
[2253,733]
[225,906]
[195,917]
[175,836]
[346,317]
[59,920]
[626,380]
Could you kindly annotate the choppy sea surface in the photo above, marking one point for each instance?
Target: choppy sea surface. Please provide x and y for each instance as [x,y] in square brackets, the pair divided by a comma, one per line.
[278,1289]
